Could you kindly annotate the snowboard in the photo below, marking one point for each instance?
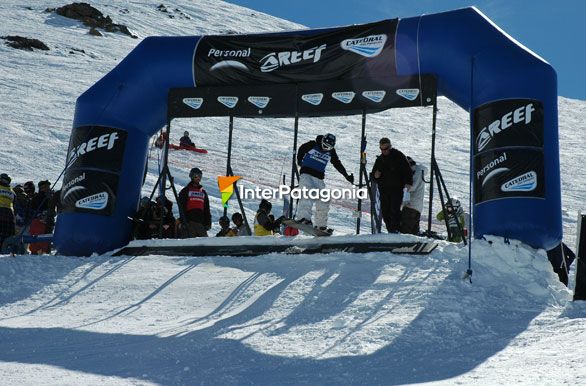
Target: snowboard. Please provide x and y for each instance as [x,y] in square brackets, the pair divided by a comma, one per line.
[306,228]
[190,148]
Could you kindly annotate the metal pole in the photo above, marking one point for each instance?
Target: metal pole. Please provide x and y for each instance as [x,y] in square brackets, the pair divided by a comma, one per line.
[433,125]
[362,165]
[229,160]
[294,163]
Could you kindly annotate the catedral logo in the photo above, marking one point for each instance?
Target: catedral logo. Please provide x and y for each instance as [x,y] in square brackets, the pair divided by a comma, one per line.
[344,96]
[226,185]
[96,201]
[524,183]
[369,46]
[106,141]
[519,115]
[194,103]
[275,60]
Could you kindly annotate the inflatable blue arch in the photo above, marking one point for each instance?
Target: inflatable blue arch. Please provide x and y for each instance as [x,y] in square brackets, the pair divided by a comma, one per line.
[510,92]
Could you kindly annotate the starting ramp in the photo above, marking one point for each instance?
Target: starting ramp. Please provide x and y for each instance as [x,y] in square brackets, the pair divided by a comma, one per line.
[257,245]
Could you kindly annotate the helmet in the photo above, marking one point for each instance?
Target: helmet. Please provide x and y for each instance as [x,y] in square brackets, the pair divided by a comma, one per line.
[5,179]
[186,133]
[264,204]
[237,217]
[328,142]
[224,220]
[44,183]
[195,172]
[454,203]
[144,202]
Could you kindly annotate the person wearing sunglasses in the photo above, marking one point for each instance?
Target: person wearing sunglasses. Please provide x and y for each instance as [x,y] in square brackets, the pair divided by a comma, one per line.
[313,157]
[394,177]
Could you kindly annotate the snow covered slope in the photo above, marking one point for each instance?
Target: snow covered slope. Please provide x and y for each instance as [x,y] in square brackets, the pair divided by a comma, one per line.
[320,319]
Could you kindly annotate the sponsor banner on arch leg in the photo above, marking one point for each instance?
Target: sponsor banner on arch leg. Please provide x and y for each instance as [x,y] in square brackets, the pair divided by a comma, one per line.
[507,173]
[94,161]
[509,122]
[89,191]
[298,56]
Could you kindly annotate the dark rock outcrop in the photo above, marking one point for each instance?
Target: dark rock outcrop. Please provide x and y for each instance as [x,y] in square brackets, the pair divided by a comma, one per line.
[23,43]
[91,17]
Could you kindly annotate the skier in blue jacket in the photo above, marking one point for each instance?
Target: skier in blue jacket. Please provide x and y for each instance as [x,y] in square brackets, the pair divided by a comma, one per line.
[313,157]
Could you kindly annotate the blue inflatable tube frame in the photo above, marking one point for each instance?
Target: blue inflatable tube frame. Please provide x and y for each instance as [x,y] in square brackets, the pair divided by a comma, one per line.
[475,62]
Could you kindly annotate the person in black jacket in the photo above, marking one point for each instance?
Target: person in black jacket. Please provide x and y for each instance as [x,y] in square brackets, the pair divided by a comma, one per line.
[194,201]
[392,173]
[313,157]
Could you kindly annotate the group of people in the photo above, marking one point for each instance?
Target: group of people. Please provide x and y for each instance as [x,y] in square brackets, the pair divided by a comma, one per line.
[398,177]
[401,186]
[24,210]
[195,205]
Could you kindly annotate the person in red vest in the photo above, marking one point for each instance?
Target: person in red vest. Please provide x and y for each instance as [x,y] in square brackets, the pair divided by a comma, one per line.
[193,199]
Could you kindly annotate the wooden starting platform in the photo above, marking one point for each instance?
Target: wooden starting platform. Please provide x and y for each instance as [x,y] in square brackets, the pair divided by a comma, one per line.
[254,246]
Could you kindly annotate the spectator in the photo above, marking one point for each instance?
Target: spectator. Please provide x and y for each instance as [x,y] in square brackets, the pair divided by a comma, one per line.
[264,222]
[240,228]
[194,201]
[185,141]
[394,177]
[225,230]
[6,208]
[455,215]
[413,201]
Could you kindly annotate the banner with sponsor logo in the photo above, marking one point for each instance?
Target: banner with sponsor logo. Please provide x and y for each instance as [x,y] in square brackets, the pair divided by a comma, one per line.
[511,172]
[509,122]
[508,150]
[359,51]
[94,160]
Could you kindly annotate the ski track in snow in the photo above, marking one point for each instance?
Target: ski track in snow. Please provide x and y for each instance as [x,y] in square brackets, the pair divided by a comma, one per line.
[364,319]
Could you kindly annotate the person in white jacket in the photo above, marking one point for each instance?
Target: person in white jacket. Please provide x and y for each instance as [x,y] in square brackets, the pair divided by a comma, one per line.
[413,200]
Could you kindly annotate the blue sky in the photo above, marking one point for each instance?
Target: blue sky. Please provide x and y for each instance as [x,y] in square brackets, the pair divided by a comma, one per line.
[555,30]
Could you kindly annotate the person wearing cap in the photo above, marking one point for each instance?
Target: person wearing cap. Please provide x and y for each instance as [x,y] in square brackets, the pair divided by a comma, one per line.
[413,202]
[240,227]
[194,201]
[313,157]
[6,208]
[185,141]
[392,173]
[42,222]
[225,230]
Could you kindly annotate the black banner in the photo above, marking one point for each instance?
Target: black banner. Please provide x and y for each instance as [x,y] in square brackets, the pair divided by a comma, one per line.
[360,51]
[336,97]
[510,122]
[94,160]
[512,172]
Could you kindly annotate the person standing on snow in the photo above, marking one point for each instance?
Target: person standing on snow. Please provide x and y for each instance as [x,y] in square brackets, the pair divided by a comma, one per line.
[413,202]
[313,157]
[6,208]
[194,201]
[394,177]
